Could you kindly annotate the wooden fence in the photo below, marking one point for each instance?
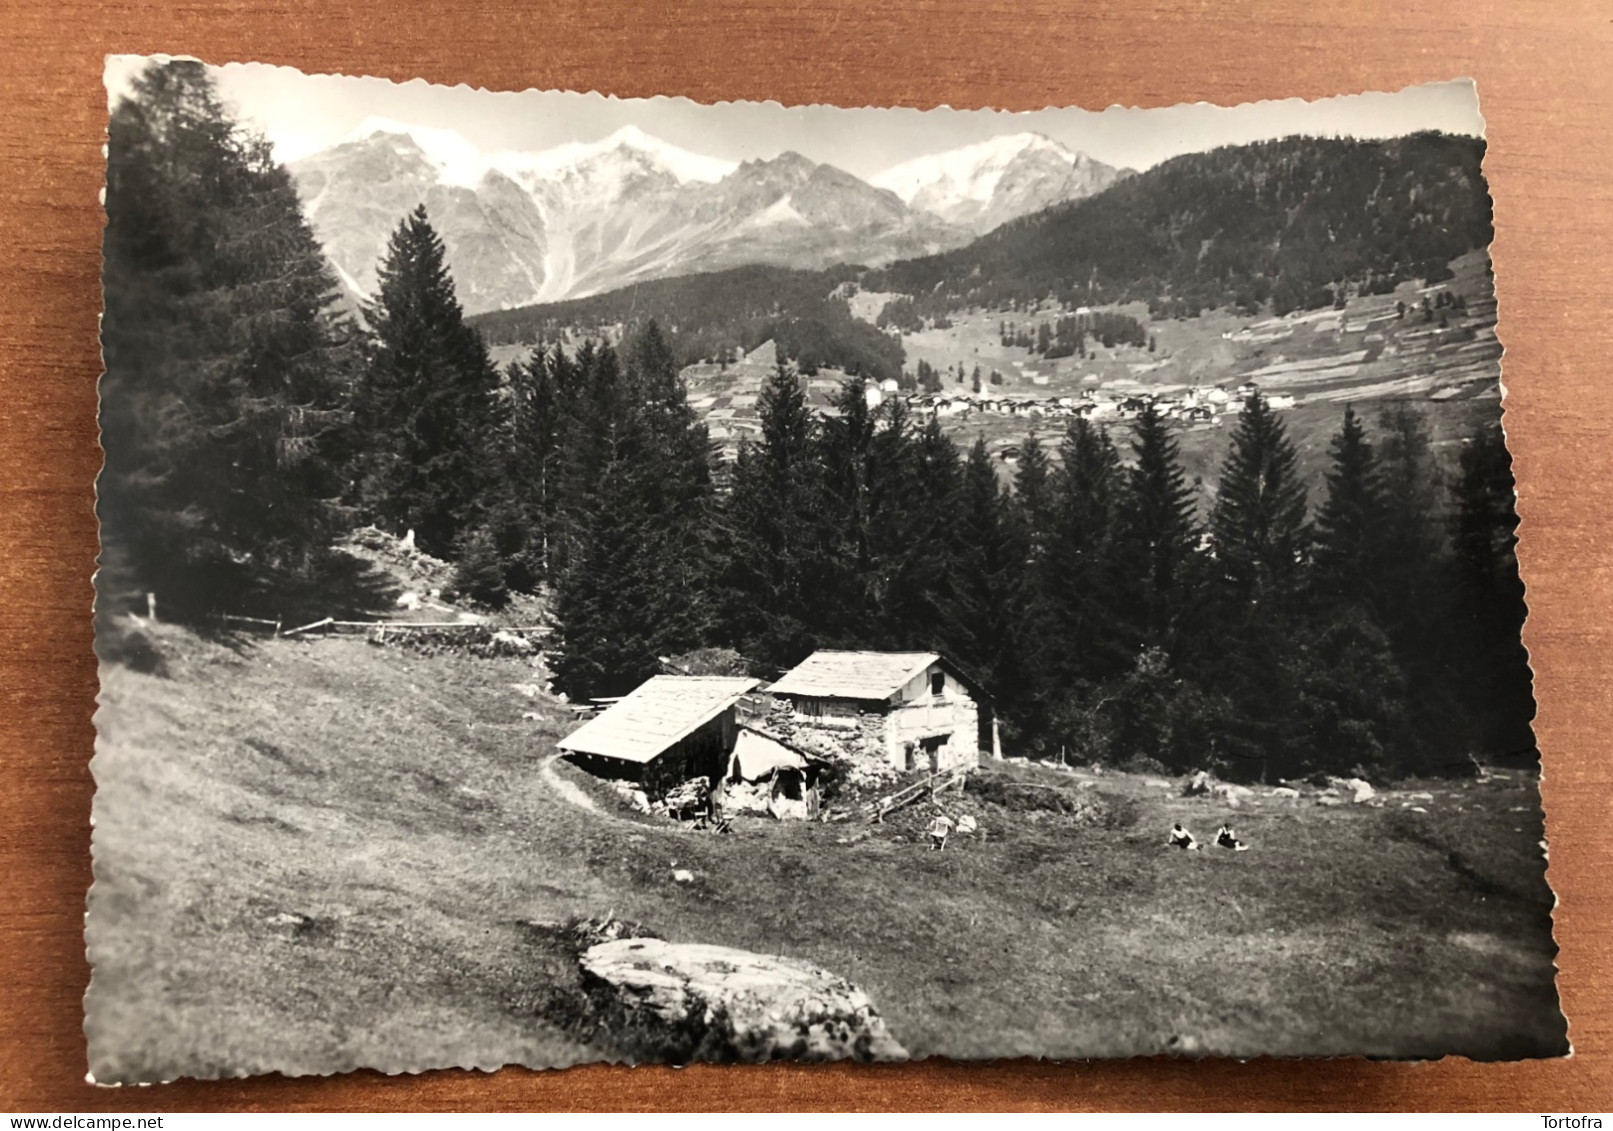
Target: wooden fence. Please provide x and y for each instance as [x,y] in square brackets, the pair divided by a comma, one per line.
[331,624]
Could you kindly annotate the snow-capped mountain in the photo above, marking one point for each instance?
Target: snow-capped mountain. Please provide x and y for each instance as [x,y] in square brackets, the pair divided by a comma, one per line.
[984,185]
[588,217]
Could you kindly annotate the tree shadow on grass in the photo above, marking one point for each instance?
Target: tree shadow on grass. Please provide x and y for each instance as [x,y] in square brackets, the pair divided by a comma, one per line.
[234,610]
[340,585]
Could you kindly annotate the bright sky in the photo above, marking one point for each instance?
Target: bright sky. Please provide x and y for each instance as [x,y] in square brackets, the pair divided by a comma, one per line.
[302,114]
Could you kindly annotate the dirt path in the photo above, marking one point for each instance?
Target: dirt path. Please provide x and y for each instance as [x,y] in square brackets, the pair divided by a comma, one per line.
[566,791]
[574,796]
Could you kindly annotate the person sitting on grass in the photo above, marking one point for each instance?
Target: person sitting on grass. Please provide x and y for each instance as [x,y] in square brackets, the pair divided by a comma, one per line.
[1227,837]
[1181,838]
[939,829]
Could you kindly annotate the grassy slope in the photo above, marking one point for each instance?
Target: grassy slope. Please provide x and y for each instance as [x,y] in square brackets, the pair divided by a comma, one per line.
[313,856]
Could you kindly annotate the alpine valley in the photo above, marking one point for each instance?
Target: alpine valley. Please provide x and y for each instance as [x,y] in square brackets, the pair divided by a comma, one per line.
[584,218]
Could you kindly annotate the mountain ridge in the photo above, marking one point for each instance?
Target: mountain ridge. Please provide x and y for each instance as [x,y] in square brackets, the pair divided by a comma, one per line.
[584,218]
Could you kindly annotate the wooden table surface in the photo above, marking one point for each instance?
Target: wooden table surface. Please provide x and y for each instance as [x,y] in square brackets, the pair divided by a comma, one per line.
[1545,75]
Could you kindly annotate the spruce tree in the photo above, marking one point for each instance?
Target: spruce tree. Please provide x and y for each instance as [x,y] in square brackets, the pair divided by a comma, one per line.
[1345,560]
[525,525]
[1078,573]
[1258,522]
[1351,685]
[916,504]
[989,580]
[608,636]
[1413,597]
[1493,671]
[1067,625]
[226,361]
[776,524]
[1259,540]
[1032,500]
[424,411]
[1158,531]
[639,518]
[845,449]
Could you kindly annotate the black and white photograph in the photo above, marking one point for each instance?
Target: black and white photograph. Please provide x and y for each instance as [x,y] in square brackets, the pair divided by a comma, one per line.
[589,579]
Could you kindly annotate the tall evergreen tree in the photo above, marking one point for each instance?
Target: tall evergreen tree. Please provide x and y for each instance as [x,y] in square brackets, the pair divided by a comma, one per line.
[776,525]
[990,576]
[424,413]
[1494,672]
[1259,538]
[525,523]
[1413,598]
[1258,522]
[1158,531]
[1351,686]
[1073,630]
[846,451]
[226,361]
[1345,561]
[916,508]
[1032,498]
[639,560]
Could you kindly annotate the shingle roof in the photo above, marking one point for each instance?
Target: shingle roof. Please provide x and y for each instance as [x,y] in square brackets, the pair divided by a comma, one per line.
[853,675]
[656,715]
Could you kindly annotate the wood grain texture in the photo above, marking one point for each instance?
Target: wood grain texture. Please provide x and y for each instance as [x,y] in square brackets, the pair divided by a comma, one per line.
[1545,74]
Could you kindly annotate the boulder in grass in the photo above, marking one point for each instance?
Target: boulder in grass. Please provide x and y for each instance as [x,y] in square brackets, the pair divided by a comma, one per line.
[1359,790]
[511,644]
[692,1001]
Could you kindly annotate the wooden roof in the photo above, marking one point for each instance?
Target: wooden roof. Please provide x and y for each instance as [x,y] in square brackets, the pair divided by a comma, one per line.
[853,675]
[657,715]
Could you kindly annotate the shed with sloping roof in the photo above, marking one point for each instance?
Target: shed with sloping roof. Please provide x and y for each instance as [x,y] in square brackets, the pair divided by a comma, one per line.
[667,730]
[916,710]
[768,775]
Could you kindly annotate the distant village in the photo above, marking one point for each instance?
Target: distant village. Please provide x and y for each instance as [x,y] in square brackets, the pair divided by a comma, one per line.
[1118,400]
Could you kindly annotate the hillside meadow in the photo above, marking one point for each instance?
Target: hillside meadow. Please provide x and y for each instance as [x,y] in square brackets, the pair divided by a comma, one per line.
[325,854]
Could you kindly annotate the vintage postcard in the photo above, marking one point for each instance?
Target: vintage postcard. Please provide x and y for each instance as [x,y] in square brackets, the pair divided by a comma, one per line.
[588,579]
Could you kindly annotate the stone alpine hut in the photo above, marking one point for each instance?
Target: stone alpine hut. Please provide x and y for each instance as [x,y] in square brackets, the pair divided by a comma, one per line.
[908,710]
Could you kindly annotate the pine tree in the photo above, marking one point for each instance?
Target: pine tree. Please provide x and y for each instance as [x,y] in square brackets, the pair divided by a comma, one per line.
[1346,562]
[1079,568]
[1032,502]
[845,450]
[226,362]
[1070,630]
[1413,596]
[915,508]
[1494,675]
[1258,522]
[480,572]
[639,524]
[1350,687]
[776,569]
[424,412]
[608,635]
[525,524]
[1257,663]
[990,577]
[1159,534]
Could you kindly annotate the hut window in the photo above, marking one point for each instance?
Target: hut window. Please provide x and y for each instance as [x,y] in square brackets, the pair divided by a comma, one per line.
[938,683]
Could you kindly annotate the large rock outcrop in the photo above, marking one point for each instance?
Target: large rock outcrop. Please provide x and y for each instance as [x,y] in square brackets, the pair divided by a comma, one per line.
[698,1002]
